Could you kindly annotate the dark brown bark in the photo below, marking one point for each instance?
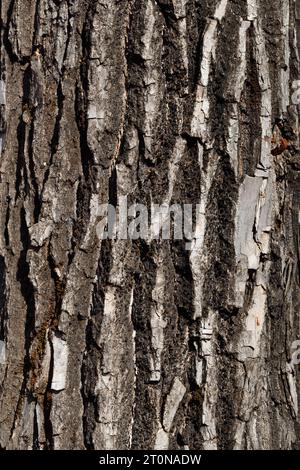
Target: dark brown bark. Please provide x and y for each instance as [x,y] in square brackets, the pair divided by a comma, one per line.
[145,344]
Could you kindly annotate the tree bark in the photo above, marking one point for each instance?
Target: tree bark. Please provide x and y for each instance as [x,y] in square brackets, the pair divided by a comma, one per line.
[136,344]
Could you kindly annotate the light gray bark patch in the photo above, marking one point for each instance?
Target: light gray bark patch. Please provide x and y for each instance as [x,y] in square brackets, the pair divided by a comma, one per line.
[2,352]
[2,93]
[60,364]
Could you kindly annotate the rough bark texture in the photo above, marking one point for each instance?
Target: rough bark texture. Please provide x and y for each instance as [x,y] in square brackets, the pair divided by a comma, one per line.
[129,344]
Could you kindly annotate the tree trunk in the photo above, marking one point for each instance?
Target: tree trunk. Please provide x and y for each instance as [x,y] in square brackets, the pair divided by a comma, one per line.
[145,344]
